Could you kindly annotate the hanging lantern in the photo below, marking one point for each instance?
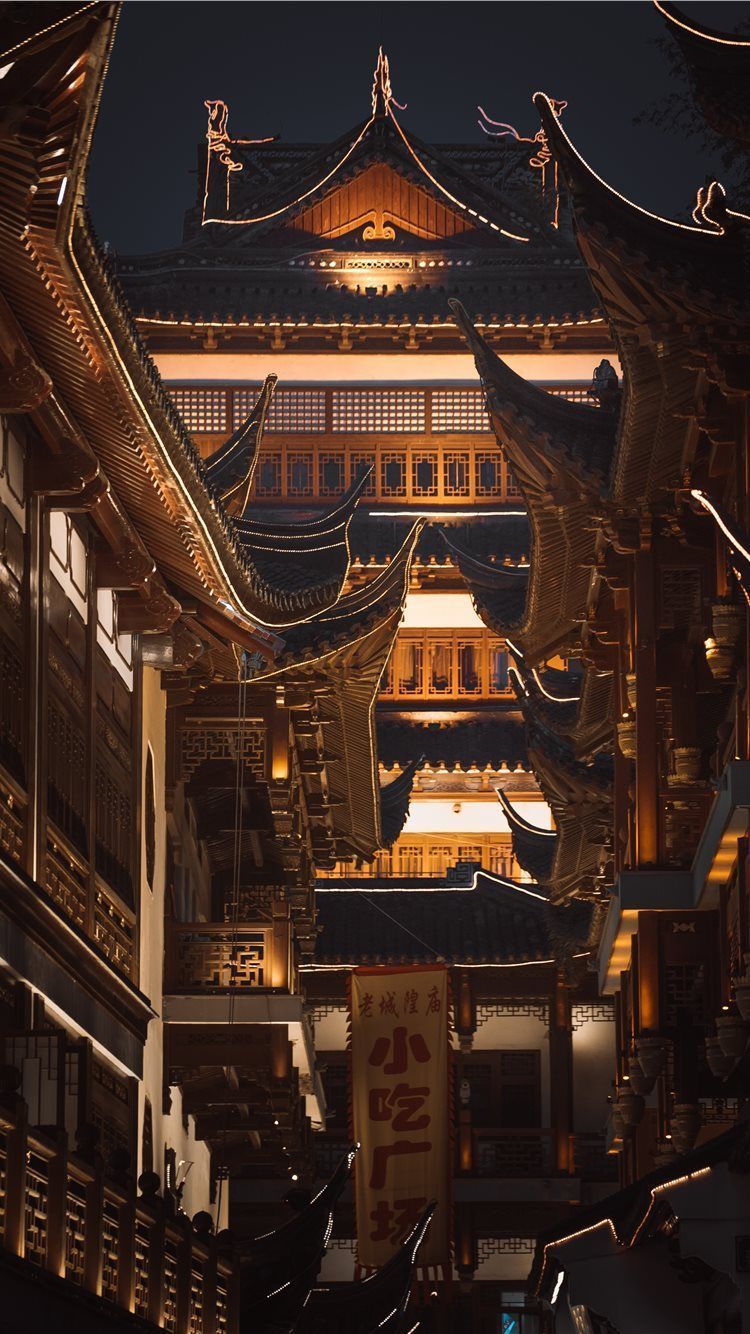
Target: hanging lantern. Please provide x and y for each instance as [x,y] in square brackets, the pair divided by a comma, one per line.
[687,763]
[742,990]
[631,1106]
[639,1082]
[626,737]
[651,1050]
[731,1031]
[685,1124]
[718,1063]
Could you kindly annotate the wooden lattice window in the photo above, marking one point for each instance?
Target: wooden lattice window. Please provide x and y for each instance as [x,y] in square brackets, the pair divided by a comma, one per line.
[359,463]
[488,465]
[469,668]
[75,1232]
[459,411]
[204,411]
[410,667]
[440,667]
[297,412]
[299,473]
[456,474]
[268,475]
[362,411]
[498,682]
[331,474]
[410,859]
[392,474]
[512,489]
[141,1252]
[424,474]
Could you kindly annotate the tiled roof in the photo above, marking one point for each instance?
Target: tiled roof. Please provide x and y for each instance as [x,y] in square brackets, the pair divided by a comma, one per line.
[498,922]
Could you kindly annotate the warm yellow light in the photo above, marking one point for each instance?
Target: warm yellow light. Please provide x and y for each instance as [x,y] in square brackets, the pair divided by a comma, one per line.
[452,611]
[473,814]
[357,367]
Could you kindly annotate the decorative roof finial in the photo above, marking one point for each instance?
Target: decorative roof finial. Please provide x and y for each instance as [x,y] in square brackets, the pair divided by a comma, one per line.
[381,86]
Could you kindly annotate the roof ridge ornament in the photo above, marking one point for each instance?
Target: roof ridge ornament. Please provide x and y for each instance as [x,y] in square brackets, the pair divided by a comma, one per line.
[382,91]
[540,151]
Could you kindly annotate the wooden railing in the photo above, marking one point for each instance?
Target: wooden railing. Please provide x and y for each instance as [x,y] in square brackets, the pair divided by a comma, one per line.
[512,1153]
[214,956]
[66,1214]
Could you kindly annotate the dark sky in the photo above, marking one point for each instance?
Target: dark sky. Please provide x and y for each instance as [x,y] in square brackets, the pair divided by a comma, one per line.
[304,70]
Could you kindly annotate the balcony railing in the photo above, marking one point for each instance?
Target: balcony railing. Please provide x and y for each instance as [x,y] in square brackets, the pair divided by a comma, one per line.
[513,1153]
[66,1214]
[211,957]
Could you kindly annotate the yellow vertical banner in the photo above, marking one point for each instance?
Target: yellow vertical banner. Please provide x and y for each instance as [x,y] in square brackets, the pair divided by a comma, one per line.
[400,1103]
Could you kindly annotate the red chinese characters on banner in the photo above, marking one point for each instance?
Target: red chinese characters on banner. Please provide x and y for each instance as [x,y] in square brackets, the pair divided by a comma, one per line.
[399,1043]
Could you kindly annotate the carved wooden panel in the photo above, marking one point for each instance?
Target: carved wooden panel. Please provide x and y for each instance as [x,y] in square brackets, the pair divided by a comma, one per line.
[114,933]
[66,883]
[75,1231]
[207,958]
[377,201]
[217,741]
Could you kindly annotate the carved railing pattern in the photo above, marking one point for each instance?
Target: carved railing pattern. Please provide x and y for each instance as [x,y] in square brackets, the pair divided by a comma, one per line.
[110,1249]
[513,1153]
[114,933]
[218,741]
[36,1217]
[11,826]
[171,1280]
[207,956]
[65,881]
[75,1231]
[66,1214]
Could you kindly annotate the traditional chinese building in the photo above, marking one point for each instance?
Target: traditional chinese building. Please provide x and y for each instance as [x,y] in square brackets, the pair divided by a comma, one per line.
[333,267]
[322,655]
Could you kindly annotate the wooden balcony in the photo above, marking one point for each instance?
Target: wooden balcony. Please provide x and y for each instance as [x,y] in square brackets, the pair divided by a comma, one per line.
[232,999]
[205,958]
[73,1232]
[513,1153]
[440,666]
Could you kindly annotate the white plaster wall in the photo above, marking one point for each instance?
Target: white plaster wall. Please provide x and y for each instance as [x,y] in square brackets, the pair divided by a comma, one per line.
[169,1131]
[330,1031]
[593,1069]
[338,1262]
[509,1032]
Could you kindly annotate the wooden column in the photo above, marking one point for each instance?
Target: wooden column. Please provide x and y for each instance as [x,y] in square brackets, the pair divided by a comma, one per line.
[646,732]
[649,990]
[561,1076]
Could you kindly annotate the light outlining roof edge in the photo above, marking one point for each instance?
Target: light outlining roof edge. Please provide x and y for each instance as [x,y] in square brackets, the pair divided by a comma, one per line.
[276,213]
[519,820]
[607,1222]
[34,36]
[655,217]
[249,621]
[696,30]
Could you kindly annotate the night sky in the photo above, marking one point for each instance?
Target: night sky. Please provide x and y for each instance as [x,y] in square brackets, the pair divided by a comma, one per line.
[304,71]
